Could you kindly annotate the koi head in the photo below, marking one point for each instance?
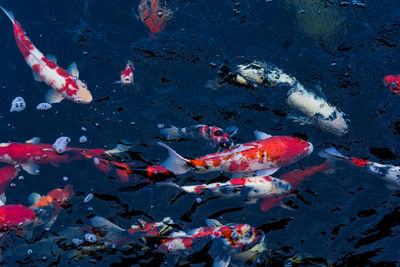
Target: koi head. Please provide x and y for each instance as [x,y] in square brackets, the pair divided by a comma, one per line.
[281,186]
[83,95]
[127,75]
[56,197]
[245,237]
[335,123]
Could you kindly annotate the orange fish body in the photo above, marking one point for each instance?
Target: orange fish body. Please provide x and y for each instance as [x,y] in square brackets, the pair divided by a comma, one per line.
[265,154]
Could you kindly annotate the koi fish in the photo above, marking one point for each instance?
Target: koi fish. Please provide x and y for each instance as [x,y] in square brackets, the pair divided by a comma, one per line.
[388,173]
[15,216]
[252,187]
[64,84]
[232,239]
[152,15]
[265,156]
[127,74]
[7,173]
[316,109]
[144,229]
[48,207]
[295,178]
[213,133]
[31,154]
[393,82]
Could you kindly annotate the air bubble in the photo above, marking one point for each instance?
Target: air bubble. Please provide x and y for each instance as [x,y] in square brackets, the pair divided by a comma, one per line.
[82,139]
[88,198]
[91,238]
[77,241]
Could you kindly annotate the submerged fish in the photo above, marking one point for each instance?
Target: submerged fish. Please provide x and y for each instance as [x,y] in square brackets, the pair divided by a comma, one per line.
[212,133]
[393,82]
[127,77]
[31,154]
[295,178]
[153,15]
[388,173]
[251,187]
[316,109]
[265,156]
[225,240]
[65,84]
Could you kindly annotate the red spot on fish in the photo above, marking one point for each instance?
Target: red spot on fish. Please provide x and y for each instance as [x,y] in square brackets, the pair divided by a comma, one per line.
[123,175]
[63,72]
[267,178]
[49,63]
[199,189]
[23,43]
[37,68]
[359,162]
[238,181]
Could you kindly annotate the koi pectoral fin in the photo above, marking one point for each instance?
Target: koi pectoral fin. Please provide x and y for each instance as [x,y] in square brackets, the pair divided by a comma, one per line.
[266,172]
[30,168]
[36,77]
[53,96]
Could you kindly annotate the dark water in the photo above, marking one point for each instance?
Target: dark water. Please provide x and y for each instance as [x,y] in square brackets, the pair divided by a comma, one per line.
[346,218]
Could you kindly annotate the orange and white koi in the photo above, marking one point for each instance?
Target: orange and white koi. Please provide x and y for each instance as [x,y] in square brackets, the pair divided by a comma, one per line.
[388,173]
[48,207]
[252,188]
[127,77]
[64,84]
[33,153]
[222,138]
[265,156]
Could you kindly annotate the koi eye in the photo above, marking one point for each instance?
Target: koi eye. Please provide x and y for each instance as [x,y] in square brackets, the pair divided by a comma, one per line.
[78,100]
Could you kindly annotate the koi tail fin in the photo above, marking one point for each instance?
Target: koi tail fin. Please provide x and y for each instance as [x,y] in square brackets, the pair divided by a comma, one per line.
[9,14]
[100,222]
[332,153]
[171,133]
[120,148]
[175,163]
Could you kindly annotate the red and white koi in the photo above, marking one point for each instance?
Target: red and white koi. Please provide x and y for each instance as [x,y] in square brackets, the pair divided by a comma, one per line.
[388,173]
[233,238]
[153,16]
[393,82]
[213,133]
[127,77]
[265,156]
[64,84]
[33,153]
[251,187]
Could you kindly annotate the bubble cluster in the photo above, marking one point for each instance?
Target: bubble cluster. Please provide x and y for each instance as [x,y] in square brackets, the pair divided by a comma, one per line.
[18,104]
[60,145]
[43,106]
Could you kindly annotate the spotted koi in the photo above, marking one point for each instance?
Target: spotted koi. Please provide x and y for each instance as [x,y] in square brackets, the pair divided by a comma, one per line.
[64,84]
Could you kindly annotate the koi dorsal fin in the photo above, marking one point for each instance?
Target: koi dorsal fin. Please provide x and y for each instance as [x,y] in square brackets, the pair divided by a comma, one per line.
[261,135]
[34,140]
[34,198]
[213,223]
[9,14]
